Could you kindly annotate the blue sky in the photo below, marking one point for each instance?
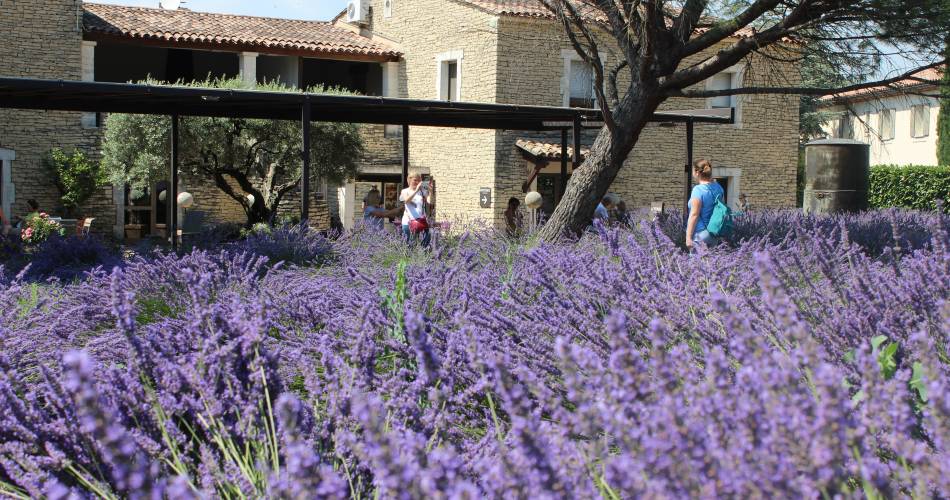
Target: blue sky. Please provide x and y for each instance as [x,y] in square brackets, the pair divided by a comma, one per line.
[314,10]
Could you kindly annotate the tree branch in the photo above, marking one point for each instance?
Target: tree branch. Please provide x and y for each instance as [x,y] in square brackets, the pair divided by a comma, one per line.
[725,29]
[812,91]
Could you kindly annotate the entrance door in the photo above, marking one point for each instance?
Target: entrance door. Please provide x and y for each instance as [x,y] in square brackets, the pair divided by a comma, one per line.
[549,186]
[724,182]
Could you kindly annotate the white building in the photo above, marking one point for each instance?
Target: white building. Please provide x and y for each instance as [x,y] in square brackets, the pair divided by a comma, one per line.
[899,121]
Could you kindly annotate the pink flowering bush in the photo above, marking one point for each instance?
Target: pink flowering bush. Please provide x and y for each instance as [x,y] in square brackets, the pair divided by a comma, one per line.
[808,359]
[40,227]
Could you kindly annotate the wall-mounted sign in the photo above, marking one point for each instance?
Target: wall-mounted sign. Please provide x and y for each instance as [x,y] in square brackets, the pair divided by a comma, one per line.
[484,197]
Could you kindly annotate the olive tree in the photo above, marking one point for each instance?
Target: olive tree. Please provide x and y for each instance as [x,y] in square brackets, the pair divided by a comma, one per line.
[661,49]
[241,156]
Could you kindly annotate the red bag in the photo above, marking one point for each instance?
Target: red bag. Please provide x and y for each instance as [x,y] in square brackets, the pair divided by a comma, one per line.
[419,225]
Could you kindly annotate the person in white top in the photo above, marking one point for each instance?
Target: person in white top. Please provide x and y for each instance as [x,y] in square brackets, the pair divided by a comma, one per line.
[418,198]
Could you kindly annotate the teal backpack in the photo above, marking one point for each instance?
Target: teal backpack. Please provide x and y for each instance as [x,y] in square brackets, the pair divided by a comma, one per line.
[720,223]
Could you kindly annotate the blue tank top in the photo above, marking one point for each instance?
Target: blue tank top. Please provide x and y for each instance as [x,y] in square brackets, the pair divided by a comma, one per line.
[707,194]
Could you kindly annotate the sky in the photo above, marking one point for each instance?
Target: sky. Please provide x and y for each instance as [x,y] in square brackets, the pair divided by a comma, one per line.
[313,10]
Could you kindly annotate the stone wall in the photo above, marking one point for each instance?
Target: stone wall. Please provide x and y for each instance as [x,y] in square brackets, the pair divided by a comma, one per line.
[763,146]
[42,39]
[461,160]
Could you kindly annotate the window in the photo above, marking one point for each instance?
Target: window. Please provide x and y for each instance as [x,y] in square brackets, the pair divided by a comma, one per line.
[581,81]
[721,81]
[577,82]
[886,124]
[919,121]
[449,76]
[845,127]
[387,8]
[452,81]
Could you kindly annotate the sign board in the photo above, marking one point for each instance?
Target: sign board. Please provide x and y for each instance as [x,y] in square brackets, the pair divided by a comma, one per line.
[484,197]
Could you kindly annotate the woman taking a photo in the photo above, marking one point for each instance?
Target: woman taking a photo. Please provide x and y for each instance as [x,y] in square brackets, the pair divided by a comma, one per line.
[418,197]
[701,204]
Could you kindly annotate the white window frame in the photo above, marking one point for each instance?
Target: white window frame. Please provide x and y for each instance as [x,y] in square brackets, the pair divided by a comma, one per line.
[734,174]
[737,74]
[913,110]
[388,8]
[441,64]
[6,170]
[568,56]
[893,128]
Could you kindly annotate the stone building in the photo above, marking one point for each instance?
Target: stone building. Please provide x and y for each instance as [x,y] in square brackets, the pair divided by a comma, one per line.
[489,51]
[514,52]
[899,121]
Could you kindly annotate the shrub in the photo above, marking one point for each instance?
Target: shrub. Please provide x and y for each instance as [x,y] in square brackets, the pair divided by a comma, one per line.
[913,186]
[68,258]
[291,244]
[40,227]
[76,177]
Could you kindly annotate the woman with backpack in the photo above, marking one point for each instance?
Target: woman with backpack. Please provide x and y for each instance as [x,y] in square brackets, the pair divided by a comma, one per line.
[702,202]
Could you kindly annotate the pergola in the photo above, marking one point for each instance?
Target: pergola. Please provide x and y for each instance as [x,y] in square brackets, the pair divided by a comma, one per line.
[61,95]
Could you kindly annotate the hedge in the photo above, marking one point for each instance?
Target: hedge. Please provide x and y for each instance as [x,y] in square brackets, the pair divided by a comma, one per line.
[912,186]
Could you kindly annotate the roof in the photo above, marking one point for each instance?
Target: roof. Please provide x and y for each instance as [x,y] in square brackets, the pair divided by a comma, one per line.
[921,80]
[547,150]
[536,9]
[184,27]
[532,8]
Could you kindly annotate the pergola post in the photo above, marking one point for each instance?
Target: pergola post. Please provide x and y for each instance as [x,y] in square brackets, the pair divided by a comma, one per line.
[305,176]
[561,191]
[173,190]
[405,156]
[576,160]
[689,169]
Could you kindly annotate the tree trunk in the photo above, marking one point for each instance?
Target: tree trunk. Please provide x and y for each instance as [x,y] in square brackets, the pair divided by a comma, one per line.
[590,182]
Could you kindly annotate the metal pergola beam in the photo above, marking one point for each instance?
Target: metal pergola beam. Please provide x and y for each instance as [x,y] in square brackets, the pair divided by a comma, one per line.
[62,95]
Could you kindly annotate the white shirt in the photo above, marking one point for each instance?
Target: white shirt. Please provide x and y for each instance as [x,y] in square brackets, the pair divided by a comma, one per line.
[414,208]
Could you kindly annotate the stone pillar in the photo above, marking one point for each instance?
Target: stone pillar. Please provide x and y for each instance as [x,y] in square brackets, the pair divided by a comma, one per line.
[118,198]
[88,120]
[347,197]
[391,89]
[247,64]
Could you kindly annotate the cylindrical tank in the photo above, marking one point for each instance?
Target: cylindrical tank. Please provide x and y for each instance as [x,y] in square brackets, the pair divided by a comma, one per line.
[837,176]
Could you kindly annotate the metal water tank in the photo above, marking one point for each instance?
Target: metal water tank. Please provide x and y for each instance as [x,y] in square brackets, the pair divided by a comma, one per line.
[837,176]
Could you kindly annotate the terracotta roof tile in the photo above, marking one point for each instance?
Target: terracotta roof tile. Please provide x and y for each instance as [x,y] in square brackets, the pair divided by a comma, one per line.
[534,8]
[930,77]
[261,33]
[547,150]
[531,8]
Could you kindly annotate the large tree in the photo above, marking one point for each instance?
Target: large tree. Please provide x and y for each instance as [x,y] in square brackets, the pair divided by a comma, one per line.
[661,49]
[242,157]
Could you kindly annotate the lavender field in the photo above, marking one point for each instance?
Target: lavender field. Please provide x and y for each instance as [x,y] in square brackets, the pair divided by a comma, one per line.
[808,358]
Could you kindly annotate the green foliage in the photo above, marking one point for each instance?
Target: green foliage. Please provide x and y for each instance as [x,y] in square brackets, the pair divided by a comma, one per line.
[917,187]
[943,121]
[76,177]
[257,157]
